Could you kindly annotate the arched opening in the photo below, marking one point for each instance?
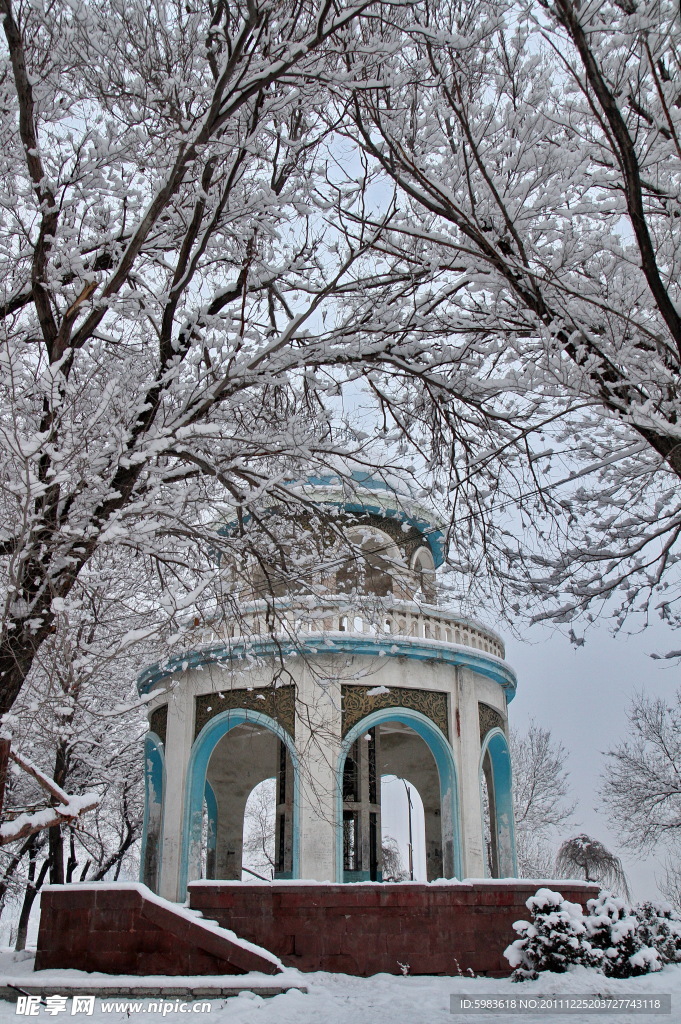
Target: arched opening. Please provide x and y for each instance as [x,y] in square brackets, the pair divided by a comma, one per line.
[243,759]
[373,566]
[423,567]
[235,753]
[496,806]
[403,831]
[489,832]
[259,847]
[406,745]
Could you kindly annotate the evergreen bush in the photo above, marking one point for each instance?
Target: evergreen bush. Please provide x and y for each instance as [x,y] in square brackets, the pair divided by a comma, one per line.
[553,941]
[616,938]
[613,929]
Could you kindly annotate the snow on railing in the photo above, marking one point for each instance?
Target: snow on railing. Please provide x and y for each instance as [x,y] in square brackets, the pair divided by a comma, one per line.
[305,616]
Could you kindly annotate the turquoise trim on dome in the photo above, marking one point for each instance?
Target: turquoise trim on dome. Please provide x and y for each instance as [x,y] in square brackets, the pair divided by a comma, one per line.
[393,647]
[431,533]
[443,754]
[433,536]
[361,478]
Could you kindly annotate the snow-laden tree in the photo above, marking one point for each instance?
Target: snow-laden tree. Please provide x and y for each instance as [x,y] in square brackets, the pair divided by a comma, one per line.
[79,721]
[614,937]
[641,785]
[554,940]
[186,286]
[536,153]
[617,939]
[540,789]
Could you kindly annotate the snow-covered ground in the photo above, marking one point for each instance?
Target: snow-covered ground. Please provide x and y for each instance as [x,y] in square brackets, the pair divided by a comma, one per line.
[383,999]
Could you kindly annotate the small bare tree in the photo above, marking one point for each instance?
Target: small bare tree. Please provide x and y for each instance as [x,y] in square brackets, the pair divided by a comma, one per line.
[670,883]
[641,785]
[642,780]
[393,868]
[540,788]
[259,828]
[591,859]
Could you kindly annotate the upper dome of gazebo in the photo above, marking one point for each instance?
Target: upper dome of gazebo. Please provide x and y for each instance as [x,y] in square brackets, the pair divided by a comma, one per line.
[367,496]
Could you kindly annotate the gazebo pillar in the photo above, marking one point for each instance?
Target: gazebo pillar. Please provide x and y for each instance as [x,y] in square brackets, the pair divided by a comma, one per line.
[177,747]
[318,728]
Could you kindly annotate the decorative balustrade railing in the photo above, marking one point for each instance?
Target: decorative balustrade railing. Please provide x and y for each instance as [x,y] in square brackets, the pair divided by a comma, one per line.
[338,615]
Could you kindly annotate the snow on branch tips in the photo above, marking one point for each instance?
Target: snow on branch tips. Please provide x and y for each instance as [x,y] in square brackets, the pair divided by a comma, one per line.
[66,809]
[540,198]
[201,286]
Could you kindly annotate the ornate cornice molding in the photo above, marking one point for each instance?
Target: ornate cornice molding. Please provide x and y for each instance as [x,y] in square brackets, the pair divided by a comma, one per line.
[414,648]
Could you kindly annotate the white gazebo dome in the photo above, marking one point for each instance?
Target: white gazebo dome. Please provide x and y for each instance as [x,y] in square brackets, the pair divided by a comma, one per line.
[327,682]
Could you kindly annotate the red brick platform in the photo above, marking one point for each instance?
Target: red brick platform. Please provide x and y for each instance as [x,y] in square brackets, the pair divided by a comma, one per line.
[356,929]
[370,928]
[126,929]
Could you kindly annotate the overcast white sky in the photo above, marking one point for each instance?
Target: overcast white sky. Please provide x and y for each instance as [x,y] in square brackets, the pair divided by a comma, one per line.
[582,696]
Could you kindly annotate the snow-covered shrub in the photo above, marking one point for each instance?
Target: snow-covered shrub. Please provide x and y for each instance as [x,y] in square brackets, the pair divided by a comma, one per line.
[613,928]
[659,926]
[620,940]
[554,940]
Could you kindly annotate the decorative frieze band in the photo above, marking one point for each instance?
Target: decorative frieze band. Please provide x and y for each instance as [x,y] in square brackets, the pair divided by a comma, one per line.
[359,701]
[490,718]
[276,702]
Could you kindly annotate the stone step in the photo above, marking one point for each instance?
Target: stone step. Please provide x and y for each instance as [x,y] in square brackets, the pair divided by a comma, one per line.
[200,987]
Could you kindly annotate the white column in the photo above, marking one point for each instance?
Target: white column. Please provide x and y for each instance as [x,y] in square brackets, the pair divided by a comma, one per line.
[318,728]
[178,747]
[471,820]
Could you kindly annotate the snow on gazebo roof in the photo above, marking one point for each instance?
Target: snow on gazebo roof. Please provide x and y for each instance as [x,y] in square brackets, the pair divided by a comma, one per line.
[360,491]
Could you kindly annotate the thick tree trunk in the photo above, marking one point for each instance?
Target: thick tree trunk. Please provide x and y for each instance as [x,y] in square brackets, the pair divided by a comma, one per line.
[56,858]
[32,890]
[4,764]
[56,838]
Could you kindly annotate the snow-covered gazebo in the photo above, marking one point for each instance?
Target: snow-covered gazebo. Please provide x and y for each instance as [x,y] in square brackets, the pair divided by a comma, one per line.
[378,680]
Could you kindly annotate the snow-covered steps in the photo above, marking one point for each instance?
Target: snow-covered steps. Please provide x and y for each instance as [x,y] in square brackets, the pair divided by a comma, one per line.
[125,929]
